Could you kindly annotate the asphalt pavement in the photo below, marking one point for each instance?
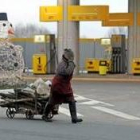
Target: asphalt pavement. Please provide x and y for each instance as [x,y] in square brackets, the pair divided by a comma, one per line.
[110,110]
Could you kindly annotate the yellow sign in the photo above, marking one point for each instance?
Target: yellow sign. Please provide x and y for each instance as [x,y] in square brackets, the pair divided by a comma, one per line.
[39,63]
[138,19]
[119,19]
[136,66]
[88,13]
[51,13]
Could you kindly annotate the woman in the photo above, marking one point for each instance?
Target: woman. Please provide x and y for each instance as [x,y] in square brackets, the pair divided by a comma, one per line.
[61,91]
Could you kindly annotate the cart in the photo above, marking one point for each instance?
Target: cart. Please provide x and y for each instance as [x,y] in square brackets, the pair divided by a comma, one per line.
[24,101]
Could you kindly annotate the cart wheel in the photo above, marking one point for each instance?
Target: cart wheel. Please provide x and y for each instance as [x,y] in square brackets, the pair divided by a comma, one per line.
[10,112]
[29,114]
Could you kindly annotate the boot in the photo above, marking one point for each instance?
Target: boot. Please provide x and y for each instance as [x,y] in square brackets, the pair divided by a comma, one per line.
[47,111]
[73,112]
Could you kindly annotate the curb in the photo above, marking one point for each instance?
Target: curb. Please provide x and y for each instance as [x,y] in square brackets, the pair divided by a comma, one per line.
[93,79]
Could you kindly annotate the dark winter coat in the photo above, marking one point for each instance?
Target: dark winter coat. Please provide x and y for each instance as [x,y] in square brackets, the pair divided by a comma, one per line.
[61,90]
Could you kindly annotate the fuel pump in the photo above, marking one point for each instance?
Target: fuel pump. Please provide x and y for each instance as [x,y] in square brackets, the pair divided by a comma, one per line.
[44,62]
[118,57]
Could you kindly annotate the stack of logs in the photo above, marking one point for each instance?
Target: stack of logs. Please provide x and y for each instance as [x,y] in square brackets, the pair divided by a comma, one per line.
[23,99]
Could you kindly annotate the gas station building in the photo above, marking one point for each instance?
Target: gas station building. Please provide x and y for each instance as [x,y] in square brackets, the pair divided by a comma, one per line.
[68,14]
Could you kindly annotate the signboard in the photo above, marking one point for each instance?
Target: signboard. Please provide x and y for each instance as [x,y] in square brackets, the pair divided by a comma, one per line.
[105,41]
[138,19]
[119,19]
[88,13]
[51,13]
[39,63]
[39,38]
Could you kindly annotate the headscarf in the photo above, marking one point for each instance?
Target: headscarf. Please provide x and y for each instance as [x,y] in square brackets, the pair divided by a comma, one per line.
[68,54]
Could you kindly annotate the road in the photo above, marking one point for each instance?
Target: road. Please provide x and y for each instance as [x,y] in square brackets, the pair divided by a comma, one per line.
[110,110]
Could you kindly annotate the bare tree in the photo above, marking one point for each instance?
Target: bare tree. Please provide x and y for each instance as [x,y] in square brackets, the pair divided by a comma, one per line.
[29,30]
[117,30]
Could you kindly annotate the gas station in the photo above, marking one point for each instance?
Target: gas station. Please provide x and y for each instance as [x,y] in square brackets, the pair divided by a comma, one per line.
[108,105]
[69,13]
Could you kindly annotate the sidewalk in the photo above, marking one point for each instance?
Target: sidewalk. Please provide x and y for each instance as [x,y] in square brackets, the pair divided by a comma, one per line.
[92,77]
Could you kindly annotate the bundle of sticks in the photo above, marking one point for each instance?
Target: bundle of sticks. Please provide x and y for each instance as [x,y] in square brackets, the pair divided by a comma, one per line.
[23,98]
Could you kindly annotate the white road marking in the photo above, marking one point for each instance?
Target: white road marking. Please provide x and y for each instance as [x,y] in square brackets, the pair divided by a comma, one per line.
[94,102]
[66,112]
[116,113]
[107,104]
[79,98]
[90,101]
